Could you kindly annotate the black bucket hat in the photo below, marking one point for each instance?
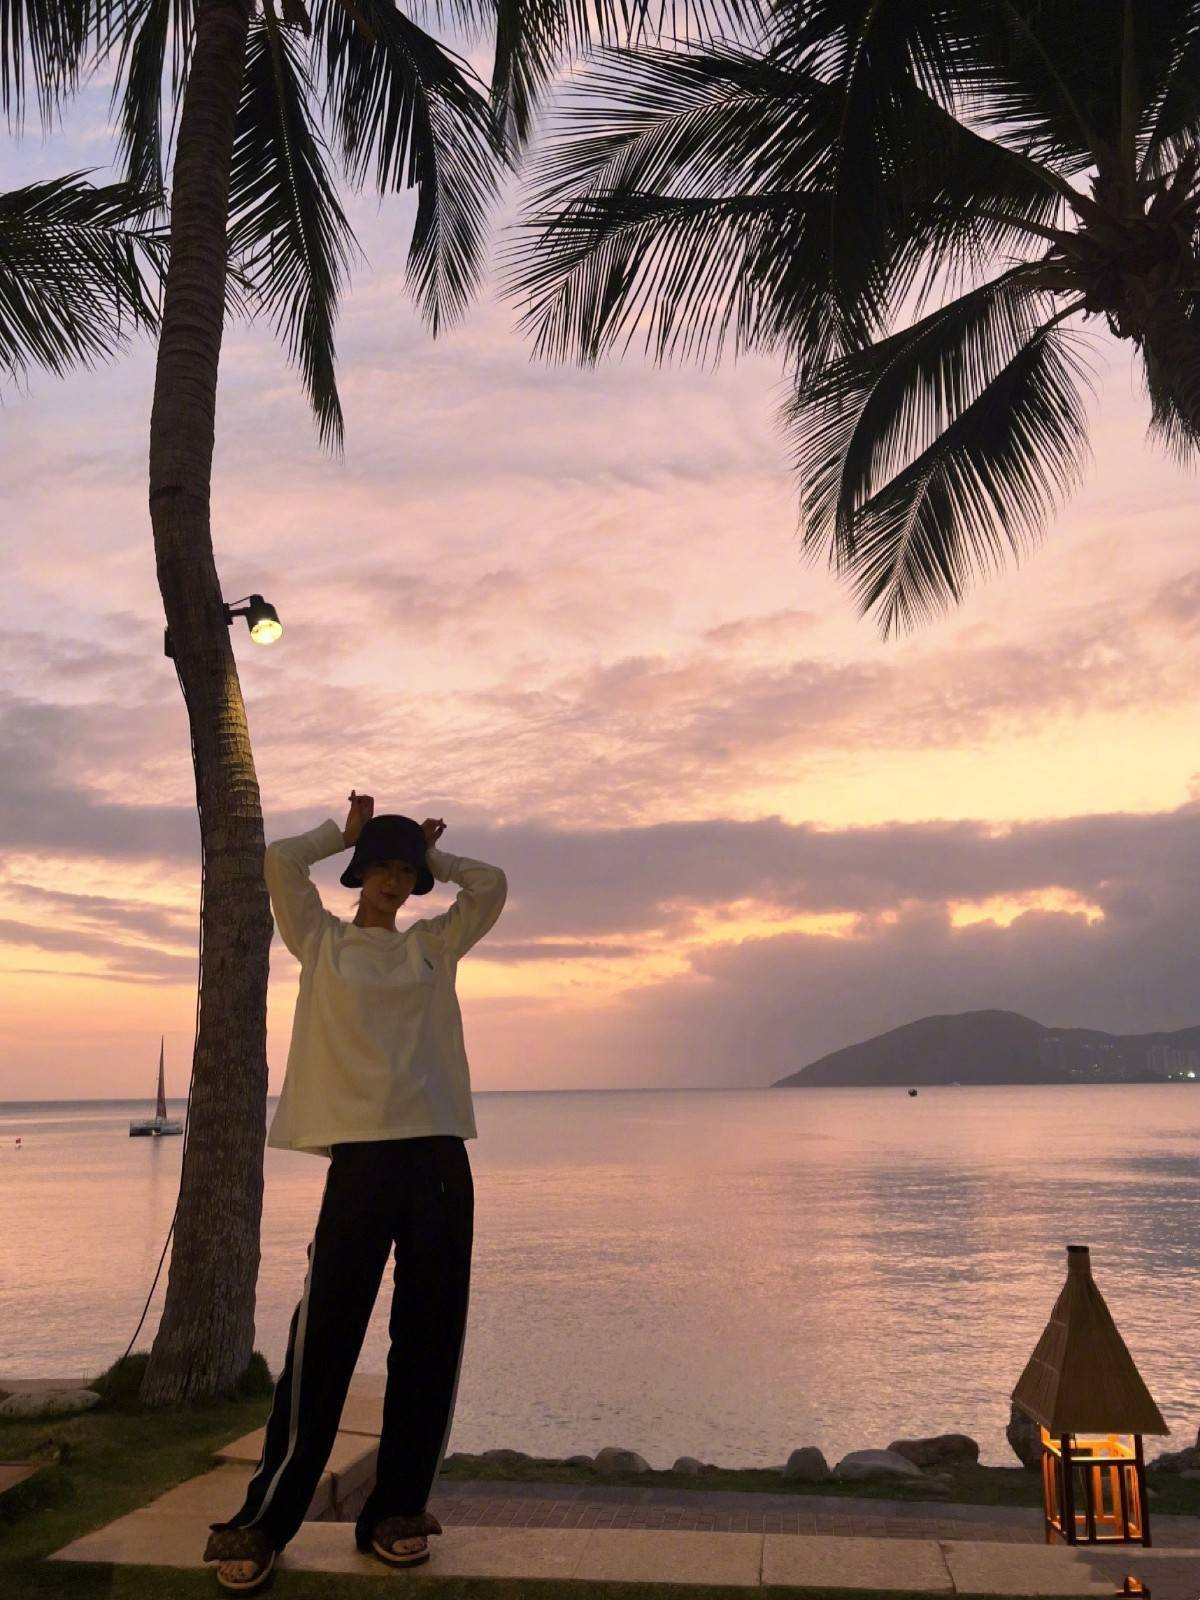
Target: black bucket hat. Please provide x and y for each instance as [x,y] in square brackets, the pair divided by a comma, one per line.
[390,838]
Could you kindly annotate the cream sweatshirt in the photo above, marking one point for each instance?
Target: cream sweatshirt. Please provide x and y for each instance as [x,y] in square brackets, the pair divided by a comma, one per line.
[377,1047]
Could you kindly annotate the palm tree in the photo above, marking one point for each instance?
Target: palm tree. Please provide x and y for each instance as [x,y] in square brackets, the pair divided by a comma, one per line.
[250,179]
[247,83]
[918,207]
[78,267]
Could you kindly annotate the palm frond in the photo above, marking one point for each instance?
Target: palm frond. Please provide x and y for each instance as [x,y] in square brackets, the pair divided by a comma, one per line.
[691,274]
[80,268]
[410,111]
[1049,76]
[534,37]
[530,41]
[1173,102]
[883,64]
[42,44]
[286,223]
[1171,367]
[148,30]
[861,418]
[989,481]
[705,123]
[683,192]
[968,202]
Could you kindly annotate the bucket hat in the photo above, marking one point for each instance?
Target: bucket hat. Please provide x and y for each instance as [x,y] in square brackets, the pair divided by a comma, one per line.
[390,838]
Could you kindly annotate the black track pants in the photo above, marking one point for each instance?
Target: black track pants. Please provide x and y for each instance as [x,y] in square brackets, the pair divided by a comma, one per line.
[418,1194]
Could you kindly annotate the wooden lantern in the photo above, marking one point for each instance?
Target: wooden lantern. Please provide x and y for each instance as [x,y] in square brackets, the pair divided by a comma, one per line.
[1081,1386]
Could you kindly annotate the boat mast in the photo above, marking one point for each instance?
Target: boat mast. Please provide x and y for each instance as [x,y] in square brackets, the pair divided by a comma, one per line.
[160,1109]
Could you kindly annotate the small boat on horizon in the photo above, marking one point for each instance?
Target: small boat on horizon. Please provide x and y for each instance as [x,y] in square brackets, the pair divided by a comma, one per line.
[159,1123]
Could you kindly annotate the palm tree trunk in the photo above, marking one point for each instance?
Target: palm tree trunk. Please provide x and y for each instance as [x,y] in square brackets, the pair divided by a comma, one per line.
[205,1337]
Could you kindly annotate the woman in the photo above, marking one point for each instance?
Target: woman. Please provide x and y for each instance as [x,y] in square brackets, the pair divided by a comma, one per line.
[377,1081]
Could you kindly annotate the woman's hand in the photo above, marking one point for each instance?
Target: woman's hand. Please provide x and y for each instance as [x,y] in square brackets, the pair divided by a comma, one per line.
[362,807]
[433,828]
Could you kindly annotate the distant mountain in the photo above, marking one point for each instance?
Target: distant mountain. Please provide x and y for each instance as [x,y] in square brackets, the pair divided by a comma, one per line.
[1001,1047]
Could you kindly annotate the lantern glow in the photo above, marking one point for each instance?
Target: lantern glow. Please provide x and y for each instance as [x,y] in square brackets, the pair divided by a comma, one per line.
[1082,1387]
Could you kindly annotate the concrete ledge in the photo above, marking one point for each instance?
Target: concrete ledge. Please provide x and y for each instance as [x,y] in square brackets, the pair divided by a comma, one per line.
[457,1553]
[652,1555]
[216,1495]
[351,1460]
[736,1561]
[362,1413]
[177,1539]
[1030,1569]
[247,1449]
[821,1561]
[350,1468]
[144,1538]
[14,1472]
[371,1384]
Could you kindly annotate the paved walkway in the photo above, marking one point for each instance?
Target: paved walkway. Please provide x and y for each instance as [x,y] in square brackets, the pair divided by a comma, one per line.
[478,1503]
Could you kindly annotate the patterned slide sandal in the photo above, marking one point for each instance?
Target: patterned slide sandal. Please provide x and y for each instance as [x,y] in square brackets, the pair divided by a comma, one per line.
[247,1549]
[390,1529]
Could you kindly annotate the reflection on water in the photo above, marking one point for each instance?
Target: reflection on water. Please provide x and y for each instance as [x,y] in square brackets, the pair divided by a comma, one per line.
[728,1274]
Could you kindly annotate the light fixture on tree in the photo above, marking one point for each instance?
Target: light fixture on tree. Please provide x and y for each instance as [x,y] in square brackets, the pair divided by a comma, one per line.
[1081,1385]
[261,618]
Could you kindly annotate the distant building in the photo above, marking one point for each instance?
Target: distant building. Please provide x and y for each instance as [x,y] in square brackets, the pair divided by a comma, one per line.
[1171,1062]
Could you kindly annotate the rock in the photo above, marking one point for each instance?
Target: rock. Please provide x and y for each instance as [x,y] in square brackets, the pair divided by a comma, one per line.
[611,1459]
[688,1464]
[1190,1472]
[876,1464]
[942,1448]
[48,1402]
[578,1461]
[1025,1436]
[507,1458]
[1177,1461]
[806,1465]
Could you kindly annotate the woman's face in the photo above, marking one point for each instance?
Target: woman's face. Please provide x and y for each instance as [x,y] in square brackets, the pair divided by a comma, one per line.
[388,884]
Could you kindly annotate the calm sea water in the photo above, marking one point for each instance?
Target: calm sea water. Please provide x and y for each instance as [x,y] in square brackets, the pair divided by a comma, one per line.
[727,1274]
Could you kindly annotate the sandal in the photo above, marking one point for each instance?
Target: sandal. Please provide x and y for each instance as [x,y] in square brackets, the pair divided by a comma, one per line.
[246,1548]
[389,1529]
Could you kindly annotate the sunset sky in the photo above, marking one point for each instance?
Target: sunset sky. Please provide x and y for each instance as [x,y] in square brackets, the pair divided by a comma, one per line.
[567,611]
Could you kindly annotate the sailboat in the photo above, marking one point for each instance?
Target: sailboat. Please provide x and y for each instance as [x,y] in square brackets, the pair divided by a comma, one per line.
[159,1122]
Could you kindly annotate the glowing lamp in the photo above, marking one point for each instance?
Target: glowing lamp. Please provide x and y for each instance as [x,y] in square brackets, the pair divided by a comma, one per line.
[261,618]
[1081,1386]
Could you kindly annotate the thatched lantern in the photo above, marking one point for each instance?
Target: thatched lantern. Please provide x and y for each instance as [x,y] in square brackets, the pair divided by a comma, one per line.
[1081,1385]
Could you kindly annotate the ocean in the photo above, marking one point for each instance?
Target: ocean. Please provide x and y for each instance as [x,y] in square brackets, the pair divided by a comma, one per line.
[728,1274]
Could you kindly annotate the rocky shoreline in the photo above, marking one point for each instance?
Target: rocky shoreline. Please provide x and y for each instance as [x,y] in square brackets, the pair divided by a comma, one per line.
[933,1459]
[903,1458]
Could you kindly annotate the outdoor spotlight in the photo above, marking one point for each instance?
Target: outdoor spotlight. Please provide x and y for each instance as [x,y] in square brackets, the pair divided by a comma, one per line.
[261,618]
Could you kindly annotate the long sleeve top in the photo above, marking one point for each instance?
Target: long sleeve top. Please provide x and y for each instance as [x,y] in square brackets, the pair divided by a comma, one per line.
[377,1047]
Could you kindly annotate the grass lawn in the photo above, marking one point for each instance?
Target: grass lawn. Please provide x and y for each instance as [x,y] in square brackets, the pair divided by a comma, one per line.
[103,1463]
